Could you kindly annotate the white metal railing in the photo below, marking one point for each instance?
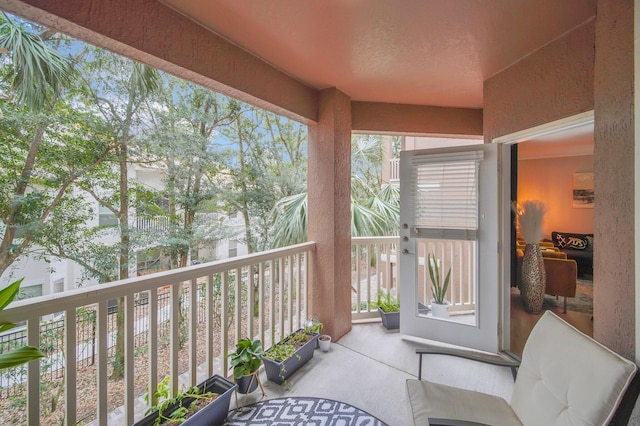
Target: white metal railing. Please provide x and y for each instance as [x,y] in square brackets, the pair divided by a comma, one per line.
[394,170]
[152,223]
[461,257]
[192,317]
[374,269]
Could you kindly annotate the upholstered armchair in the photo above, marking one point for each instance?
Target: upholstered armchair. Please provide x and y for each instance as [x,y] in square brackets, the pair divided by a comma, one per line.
[561,273]
[564,378]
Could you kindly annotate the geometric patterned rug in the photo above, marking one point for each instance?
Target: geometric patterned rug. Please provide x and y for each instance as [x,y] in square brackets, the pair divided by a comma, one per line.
[301,411]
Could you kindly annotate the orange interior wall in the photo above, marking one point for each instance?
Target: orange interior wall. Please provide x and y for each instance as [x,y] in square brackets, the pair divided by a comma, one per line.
[551,180]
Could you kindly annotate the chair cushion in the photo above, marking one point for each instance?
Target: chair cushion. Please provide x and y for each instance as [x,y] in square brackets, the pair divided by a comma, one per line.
[567,378]
[433,400]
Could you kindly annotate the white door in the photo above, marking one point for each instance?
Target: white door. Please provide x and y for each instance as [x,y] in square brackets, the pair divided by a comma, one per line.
[449,201]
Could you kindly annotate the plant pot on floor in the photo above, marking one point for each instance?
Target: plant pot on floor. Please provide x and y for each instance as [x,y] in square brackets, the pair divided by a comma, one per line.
[325,342]
[390,320]
[213,413]
[440,310]
[278,370]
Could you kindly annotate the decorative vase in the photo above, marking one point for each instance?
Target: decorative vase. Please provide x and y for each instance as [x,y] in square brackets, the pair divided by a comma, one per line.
[440,310]
[533,279]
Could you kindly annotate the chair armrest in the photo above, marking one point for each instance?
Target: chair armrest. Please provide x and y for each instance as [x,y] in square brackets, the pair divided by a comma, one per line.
[453,422]
[503,359]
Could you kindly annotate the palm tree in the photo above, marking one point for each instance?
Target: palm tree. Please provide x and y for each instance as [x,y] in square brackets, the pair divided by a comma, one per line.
[37,71]
[373,211]
[33,78]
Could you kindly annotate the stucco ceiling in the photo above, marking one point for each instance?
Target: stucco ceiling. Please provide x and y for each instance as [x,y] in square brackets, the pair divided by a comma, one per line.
[425,52]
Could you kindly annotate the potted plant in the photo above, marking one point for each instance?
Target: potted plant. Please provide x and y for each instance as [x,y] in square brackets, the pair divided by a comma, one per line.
[14,357]
[324,341]
[389,310]
[202,405]
[439,304]
[245,362]
[287,356]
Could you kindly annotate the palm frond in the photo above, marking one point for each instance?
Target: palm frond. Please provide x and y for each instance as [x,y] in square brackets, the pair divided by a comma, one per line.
[144,79]
[290,220]
[36,67]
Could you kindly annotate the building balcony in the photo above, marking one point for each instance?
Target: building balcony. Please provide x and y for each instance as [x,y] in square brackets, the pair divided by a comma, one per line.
[180,323]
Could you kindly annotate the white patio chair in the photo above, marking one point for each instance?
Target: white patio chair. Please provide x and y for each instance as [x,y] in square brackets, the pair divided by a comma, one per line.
[564,378]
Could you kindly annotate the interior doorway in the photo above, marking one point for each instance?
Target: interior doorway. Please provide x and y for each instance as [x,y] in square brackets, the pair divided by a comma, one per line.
[549,164]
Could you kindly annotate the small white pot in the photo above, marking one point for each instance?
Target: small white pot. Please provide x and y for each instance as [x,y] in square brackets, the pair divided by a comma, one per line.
[440,311]
[325,342]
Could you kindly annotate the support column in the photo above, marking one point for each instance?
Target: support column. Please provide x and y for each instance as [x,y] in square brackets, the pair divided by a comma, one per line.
[329,213]
[614,315]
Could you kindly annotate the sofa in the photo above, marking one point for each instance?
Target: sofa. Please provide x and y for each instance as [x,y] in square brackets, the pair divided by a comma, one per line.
[578,247]
[561,273]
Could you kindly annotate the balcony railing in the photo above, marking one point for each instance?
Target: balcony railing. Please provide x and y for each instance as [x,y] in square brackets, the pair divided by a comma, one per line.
[177,323]
[180,324]
[394,170]
[374,270]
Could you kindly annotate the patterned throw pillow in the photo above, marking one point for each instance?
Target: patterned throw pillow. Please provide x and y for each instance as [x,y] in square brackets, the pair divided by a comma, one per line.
[561,240]
[565,241]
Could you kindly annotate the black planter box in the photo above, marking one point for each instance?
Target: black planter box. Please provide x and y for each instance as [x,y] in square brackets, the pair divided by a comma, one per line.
[301,356]
[213,414]
[390,320]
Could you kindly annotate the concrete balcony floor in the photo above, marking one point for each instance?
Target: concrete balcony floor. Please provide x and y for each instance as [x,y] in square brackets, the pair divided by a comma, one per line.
[368,368]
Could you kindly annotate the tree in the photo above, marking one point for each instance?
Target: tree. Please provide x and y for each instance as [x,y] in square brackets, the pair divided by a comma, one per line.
[266,163]
[118,89]
[46,146]
[186,121]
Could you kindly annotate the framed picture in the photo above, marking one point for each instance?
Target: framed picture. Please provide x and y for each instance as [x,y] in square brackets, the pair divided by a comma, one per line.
[583,190]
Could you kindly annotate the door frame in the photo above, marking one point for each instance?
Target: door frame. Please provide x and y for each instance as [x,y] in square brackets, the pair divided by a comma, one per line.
[504,208]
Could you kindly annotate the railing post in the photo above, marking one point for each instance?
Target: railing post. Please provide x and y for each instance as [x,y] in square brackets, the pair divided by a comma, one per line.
[153,347]
[70,367]
[33,374]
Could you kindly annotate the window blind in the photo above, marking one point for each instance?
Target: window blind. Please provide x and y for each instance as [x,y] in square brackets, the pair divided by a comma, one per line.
[445,195]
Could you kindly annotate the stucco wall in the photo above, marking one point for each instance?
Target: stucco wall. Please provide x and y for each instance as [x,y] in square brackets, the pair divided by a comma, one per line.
[562,79]
[552,83]
[614,288]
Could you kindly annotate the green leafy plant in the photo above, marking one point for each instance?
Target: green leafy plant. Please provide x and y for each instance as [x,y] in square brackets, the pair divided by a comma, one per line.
[386,301]
[280,352]
[438,287]
[181,412]
[287,348]
[247,358]
[21,355]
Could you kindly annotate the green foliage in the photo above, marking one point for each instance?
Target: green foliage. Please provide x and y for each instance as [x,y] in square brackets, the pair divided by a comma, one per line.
[386,301]
[438,287]
[179,414]
[21,355]
[280,351]
[247,358]
[287,347]
[375,207]
[37,70]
